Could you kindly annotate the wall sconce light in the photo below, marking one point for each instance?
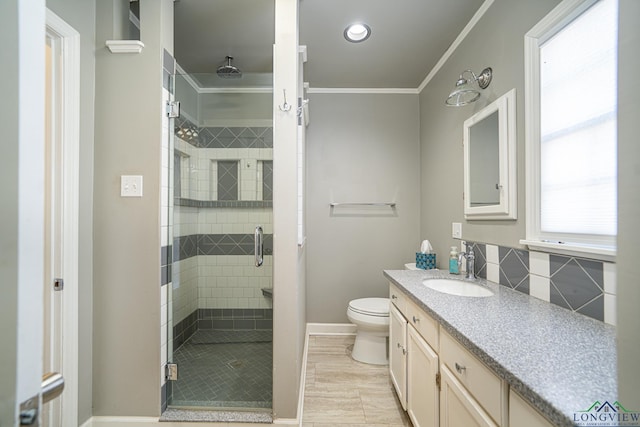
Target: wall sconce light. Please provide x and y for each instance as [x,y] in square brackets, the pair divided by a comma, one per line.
[465,92]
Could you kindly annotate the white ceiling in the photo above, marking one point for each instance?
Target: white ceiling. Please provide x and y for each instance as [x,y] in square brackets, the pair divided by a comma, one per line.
[408,38]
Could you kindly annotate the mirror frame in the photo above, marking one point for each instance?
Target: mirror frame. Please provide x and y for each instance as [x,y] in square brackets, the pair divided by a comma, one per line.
[507,207]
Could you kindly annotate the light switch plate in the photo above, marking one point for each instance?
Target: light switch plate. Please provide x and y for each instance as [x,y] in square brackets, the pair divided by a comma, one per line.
[456,230]
[131,186]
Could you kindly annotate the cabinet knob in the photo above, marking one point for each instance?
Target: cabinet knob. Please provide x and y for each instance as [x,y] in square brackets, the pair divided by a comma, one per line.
[460,368]
[416,319]
[394,297]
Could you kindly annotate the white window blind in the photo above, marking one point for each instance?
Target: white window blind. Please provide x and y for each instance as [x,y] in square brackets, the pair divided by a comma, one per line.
[578,97]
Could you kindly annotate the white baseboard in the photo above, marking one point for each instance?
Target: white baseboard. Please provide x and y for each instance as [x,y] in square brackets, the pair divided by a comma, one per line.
[285,421]
[331,329]
[107,421]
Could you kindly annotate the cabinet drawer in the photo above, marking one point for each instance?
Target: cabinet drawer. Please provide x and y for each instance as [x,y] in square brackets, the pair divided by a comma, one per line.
[423,323]
[398,298]
[481,382]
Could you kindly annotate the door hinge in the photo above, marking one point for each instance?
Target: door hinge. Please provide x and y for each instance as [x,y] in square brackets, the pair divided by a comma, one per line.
[173,109]
[171,372]
[438,381]
[58,284]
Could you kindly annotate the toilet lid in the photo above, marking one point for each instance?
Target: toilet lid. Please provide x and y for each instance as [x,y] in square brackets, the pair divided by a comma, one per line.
[371,306]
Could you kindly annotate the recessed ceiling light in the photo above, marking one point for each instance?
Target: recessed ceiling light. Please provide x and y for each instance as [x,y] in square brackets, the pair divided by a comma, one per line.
[357,33]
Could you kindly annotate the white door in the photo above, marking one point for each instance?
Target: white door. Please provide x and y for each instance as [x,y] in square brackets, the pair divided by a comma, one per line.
[60,279]
[422,390]
[22,208]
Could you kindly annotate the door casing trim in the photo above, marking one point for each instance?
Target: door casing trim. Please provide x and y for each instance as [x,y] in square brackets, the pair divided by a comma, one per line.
[68,41]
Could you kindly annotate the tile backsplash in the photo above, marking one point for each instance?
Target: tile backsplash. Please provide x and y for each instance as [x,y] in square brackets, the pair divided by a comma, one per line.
[581,285]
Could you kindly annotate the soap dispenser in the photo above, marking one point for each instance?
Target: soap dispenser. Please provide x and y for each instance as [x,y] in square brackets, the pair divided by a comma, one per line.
[453,260]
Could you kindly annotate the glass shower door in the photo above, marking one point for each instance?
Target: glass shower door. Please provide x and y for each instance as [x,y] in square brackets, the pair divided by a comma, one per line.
[220,307]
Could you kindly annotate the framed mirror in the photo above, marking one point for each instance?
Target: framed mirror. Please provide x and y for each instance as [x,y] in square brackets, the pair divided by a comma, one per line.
[489,139]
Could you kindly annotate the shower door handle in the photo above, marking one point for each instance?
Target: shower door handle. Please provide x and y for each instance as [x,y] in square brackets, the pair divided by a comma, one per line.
[258,246]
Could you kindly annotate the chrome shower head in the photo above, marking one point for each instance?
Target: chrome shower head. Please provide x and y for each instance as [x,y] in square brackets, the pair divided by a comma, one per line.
[229,71]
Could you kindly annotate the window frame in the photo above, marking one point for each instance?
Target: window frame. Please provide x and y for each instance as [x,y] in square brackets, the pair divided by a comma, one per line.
[579,245]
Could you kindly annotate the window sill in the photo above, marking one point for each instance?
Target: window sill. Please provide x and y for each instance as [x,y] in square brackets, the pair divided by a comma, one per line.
[602,253]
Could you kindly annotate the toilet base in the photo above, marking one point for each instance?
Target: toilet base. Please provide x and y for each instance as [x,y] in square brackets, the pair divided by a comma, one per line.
[371,347]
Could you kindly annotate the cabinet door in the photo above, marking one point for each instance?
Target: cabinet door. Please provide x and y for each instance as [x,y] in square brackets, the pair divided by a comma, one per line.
[422,390]
[398,353]
[458,408]
[521,414]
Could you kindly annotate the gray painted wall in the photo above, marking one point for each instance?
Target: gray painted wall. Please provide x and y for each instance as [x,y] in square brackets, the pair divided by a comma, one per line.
[628,205]
[126,352]
[220,107]
[288,260]
[80,14]
[188,97]
[497,41]
[441,137]
[360,148]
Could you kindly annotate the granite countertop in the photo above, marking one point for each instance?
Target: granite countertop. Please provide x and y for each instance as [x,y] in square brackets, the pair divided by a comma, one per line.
[561,362]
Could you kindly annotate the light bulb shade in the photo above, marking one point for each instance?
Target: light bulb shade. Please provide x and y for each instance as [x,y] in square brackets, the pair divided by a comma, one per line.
[463,94]
[465,91]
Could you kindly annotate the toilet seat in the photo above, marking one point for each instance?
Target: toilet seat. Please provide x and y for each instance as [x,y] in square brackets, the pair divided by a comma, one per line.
[377,307]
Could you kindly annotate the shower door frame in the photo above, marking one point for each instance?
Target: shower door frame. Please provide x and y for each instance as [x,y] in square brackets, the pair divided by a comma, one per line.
[202,317]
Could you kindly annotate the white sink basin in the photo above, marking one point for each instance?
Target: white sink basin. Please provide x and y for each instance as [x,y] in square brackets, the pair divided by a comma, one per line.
[457,287]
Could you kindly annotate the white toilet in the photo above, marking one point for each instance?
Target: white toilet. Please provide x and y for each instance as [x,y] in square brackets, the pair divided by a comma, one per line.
[371,317]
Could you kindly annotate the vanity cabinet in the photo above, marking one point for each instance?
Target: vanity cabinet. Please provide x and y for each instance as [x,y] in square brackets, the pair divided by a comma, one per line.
[521,414]
[438,381]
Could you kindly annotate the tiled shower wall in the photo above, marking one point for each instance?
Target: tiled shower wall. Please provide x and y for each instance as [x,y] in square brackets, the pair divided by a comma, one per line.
[223,163]
[213,261]
[581,285]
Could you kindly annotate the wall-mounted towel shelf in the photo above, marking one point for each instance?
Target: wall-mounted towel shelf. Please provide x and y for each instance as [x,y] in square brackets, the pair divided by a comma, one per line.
[389,204]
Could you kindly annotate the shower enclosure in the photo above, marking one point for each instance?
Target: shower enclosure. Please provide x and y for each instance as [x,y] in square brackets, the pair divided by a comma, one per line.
[220,307]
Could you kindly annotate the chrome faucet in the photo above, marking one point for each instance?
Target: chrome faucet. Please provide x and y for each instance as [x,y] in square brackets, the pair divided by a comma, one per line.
[471,262]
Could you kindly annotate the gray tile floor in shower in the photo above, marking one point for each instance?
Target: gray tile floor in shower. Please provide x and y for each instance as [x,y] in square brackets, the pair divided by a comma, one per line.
[224,369]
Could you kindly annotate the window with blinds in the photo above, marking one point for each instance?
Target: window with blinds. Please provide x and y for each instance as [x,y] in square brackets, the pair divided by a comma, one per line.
[574,143]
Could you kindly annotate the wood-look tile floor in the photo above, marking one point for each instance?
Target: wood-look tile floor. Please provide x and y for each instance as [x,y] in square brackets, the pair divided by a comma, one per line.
[342,392]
